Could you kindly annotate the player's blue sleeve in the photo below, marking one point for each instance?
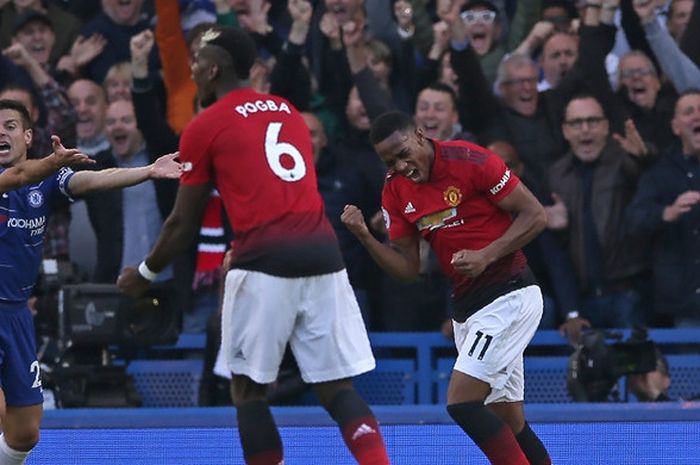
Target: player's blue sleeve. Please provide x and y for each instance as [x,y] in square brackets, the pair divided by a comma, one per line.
[62,183]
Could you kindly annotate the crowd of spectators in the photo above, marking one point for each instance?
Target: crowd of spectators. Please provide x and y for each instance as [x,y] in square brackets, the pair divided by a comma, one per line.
[593,104]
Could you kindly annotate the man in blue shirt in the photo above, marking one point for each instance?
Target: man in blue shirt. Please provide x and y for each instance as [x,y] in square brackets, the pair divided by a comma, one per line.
[24,213]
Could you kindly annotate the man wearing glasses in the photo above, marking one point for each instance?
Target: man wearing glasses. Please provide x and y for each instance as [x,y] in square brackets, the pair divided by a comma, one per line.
[645,99]
[483,26]
[596,180]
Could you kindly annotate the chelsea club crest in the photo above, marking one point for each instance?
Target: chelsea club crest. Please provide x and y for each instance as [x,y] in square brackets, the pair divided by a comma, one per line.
[35,198]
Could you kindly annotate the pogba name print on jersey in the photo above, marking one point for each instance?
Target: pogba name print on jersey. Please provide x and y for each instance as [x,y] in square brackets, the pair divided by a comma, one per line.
[248,108]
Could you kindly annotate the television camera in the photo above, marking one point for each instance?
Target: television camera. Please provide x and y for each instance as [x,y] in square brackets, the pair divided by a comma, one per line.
[602,358]
[83,325]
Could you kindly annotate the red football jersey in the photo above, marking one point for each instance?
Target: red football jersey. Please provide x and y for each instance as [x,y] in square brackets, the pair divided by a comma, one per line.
[456,210]
[256,149]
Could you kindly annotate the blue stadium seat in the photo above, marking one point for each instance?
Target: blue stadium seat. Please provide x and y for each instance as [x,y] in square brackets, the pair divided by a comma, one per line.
[393,382]
[685,376]
[167,383]
[545,380]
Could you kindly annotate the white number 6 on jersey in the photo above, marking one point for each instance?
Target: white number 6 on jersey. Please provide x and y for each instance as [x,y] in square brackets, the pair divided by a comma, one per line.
[274,151]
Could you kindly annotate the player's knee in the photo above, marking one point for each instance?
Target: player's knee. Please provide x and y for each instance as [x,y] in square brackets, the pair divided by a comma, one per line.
[460,412]
[328,391]
[23,439]
[244,390]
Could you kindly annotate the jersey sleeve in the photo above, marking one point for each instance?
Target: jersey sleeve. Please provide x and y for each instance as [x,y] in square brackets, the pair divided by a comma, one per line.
[62,182]
[396,224]
[195,154]
[496,180]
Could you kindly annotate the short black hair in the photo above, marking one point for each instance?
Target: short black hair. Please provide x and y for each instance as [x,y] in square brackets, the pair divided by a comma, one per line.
[238,44]
[485,4]
[583,96]
[444,88]
[19,87]
[6,104]
[567,6]
[685,93]
[388,123]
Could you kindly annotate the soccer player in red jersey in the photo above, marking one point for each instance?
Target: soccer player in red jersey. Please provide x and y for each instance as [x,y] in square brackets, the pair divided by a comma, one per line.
[288,282]
[476,215]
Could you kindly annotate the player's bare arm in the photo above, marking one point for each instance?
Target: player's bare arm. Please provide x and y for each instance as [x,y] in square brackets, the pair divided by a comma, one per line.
[400,259]
[165,167]
[33,171]
[530,219]
[177,233]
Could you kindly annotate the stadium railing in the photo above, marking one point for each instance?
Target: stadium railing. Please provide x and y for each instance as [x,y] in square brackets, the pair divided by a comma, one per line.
[414,368]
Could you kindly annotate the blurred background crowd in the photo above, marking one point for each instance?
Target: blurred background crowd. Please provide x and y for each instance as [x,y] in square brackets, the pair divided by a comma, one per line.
[593,104]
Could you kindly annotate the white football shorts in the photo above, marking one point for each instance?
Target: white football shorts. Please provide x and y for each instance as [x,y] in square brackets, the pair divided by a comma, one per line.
[318,316]
[491,342]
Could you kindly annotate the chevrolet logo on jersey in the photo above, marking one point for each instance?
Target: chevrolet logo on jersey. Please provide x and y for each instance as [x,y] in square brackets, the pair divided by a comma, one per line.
[436,220]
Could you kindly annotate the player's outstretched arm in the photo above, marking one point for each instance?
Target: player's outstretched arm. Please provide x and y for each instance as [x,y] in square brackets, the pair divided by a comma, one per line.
[400,259]
[33,171]
[165,167]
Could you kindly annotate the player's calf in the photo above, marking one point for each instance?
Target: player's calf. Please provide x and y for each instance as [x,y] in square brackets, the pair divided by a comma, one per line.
[493,436]
[532,446]
[260,439]
[359,427]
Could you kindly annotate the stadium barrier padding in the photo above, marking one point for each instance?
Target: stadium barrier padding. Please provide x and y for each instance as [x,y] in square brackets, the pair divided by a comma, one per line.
[415,368]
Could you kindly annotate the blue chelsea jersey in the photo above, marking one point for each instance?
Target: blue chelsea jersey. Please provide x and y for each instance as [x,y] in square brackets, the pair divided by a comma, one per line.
[24,214]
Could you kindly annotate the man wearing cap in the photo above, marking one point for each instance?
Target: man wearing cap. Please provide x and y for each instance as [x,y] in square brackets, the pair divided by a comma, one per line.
[287,283]
[66,26]
[32,42]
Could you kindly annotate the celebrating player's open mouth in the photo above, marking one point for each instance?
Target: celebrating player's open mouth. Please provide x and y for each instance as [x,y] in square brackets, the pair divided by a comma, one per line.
[414,175]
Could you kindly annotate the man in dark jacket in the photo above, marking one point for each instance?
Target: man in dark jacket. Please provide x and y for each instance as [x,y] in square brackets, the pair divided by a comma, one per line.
[596,180]
[667,207]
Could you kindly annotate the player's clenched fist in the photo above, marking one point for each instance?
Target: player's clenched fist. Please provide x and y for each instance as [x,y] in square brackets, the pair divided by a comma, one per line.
[470,262]
[353,219]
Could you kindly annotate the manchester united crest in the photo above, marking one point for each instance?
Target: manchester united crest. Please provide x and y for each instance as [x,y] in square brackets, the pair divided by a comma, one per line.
[452,196]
